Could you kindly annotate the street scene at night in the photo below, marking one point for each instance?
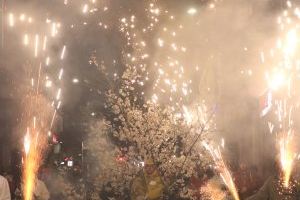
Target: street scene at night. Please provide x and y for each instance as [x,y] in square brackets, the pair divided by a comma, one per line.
[150,100]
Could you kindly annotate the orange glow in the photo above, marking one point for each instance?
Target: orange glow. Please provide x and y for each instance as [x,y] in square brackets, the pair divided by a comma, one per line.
[287,156]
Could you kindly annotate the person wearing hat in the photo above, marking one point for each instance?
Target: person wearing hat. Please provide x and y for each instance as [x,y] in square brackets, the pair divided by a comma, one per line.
[148,184]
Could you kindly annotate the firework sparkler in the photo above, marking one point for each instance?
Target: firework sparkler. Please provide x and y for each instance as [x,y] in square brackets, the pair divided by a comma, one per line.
[39,114]
[223,170]
[281,83]
[287,157]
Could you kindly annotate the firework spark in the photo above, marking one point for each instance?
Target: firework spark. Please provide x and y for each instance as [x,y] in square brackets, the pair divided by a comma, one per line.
[223,170]
[287,157]
[281,82]
[37,118]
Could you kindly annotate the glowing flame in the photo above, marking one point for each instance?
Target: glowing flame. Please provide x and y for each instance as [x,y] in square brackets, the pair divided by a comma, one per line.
[291,42]
[276,80]
[287,156]
[34,144]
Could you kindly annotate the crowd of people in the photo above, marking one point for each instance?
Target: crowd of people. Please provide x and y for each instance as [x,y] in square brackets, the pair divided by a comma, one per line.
[45,188]
[149,185]
[9,192]
[248,180]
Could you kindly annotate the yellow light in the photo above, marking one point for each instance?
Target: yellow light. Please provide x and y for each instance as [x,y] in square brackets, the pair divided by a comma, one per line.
[291,42]
[53,29]
[277,80]
[63,53]
[36,46]
[47,61]
[45,43]
[22,17]
[287,156]
[192,11]
[11,19]
[27,142]
[26,40]
[85,8]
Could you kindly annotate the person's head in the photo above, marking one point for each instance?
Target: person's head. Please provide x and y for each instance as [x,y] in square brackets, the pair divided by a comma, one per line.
[149,166]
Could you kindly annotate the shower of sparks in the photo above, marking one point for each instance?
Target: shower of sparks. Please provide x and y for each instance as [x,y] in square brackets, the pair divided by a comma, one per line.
[223,170]
[38,115]
[173,83]
[33,147]
[282,80]
[287,157]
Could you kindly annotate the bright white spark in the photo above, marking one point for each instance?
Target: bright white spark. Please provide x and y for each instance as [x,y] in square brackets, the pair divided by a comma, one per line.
[75,80]
[58,105]
[45,43]
[160,42]
[22,17]
[60,73]
[63,53]
[53,29]
[36,46]
[48,83]
[85,8]
[58,94]
[11,19]
[192,11]
[26,40]
[47,61]
[27,142]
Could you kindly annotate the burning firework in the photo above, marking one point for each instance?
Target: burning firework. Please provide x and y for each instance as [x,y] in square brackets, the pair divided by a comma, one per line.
[37,120]
[223,170]
[34,147]
[39,112]
[287,156]
[281,82]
